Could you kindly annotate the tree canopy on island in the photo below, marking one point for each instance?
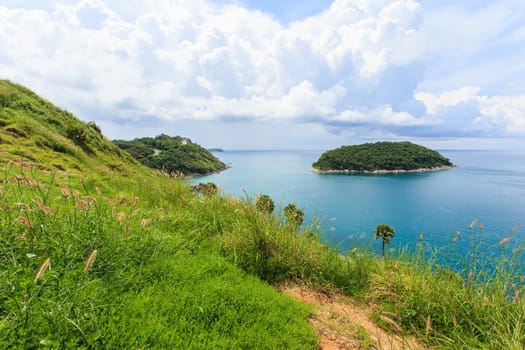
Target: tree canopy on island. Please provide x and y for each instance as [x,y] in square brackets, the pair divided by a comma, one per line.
[172,154]
[381,156]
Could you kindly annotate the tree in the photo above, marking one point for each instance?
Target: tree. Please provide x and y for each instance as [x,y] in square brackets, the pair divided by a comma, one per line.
[293,215]
[265,204]
[386,233]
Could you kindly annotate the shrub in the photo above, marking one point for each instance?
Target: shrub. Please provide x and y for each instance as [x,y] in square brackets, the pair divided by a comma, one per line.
[77,134]
[93,125]
[265,204]
[294,216]
[207,189]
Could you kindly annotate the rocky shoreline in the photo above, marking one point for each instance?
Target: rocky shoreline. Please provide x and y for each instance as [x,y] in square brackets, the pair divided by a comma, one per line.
[381,172]
[217,171]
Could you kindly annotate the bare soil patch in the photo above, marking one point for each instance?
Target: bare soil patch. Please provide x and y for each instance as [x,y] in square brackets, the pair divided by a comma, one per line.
[343,324]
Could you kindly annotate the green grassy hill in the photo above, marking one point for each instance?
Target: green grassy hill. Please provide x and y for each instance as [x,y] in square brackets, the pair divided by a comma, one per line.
[99,252]
[172,154]
[34,130]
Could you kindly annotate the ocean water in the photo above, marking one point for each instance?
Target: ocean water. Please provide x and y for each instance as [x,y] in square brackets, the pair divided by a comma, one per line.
[484,196]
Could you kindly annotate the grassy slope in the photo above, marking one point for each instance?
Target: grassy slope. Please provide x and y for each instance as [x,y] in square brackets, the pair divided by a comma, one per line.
[152,284]
[174,269]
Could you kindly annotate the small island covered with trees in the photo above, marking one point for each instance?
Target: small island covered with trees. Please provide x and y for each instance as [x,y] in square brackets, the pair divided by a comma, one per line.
[381,157]
[172,154]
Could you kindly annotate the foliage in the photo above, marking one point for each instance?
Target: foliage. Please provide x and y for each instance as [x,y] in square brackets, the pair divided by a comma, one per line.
[265,204]
[77,134]
[95,126]
[294,216]
[379,156]
[172,154]
[207,189]
[386,233]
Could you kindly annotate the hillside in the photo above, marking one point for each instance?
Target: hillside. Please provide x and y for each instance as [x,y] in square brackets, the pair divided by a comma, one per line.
[34,130]
[172,154]
[381,157]
[100,252]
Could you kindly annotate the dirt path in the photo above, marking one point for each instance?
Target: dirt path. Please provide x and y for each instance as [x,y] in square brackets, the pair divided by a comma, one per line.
[341,324]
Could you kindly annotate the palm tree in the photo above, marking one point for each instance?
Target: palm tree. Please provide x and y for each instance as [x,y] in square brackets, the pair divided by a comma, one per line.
[386,233]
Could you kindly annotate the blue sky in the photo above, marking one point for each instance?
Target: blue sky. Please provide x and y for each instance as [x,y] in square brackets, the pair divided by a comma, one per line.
[278,74]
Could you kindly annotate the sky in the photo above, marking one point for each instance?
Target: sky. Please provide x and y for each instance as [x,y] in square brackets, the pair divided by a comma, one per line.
[296,74]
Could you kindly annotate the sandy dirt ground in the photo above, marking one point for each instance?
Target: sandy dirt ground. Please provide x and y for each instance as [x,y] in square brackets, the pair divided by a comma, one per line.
[343,324]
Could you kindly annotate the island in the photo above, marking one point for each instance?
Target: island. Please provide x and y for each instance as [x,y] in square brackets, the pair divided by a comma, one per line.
[381,158]
[173,154]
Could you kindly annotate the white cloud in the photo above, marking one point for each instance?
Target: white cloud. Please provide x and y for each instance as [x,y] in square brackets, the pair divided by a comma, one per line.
[434,102]
[503,115]
[509,111]
[381,116]
[373,64]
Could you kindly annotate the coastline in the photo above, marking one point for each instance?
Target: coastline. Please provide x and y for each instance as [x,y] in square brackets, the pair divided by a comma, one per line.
[224,168]
[383,172]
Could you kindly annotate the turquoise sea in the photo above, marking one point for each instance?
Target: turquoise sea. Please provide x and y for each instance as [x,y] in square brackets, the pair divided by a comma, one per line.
[484,196]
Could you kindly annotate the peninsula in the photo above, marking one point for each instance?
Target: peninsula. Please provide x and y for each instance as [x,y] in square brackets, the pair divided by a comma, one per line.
[173,154]
[381,158]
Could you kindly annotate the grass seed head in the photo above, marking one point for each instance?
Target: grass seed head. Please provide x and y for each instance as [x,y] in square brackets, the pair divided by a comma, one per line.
[26,179]
[504,240]
[82,206]
[517,250]
[21,205]
[42,269]
[428,323]
[469,279]
[47,210]
[24,221]
[145,222]
[90,261]
[392,324]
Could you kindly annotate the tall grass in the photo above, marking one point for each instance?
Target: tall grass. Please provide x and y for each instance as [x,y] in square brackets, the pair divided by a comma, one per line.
[144,262]
[91,264]
[456,298]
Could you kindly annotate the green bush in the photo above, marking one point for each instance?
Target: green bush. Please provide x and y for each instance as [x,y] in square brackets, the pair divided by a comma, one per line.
[77,133]
[294,216]
[265,204]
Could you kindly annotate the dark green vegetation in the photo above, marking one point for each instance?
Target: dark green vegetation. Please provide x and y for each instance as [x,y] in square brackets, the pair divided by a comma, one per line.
[386,233]
[265,204]
[175,268]
[172,154]
[294,216]
[207,189]
[381,156]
